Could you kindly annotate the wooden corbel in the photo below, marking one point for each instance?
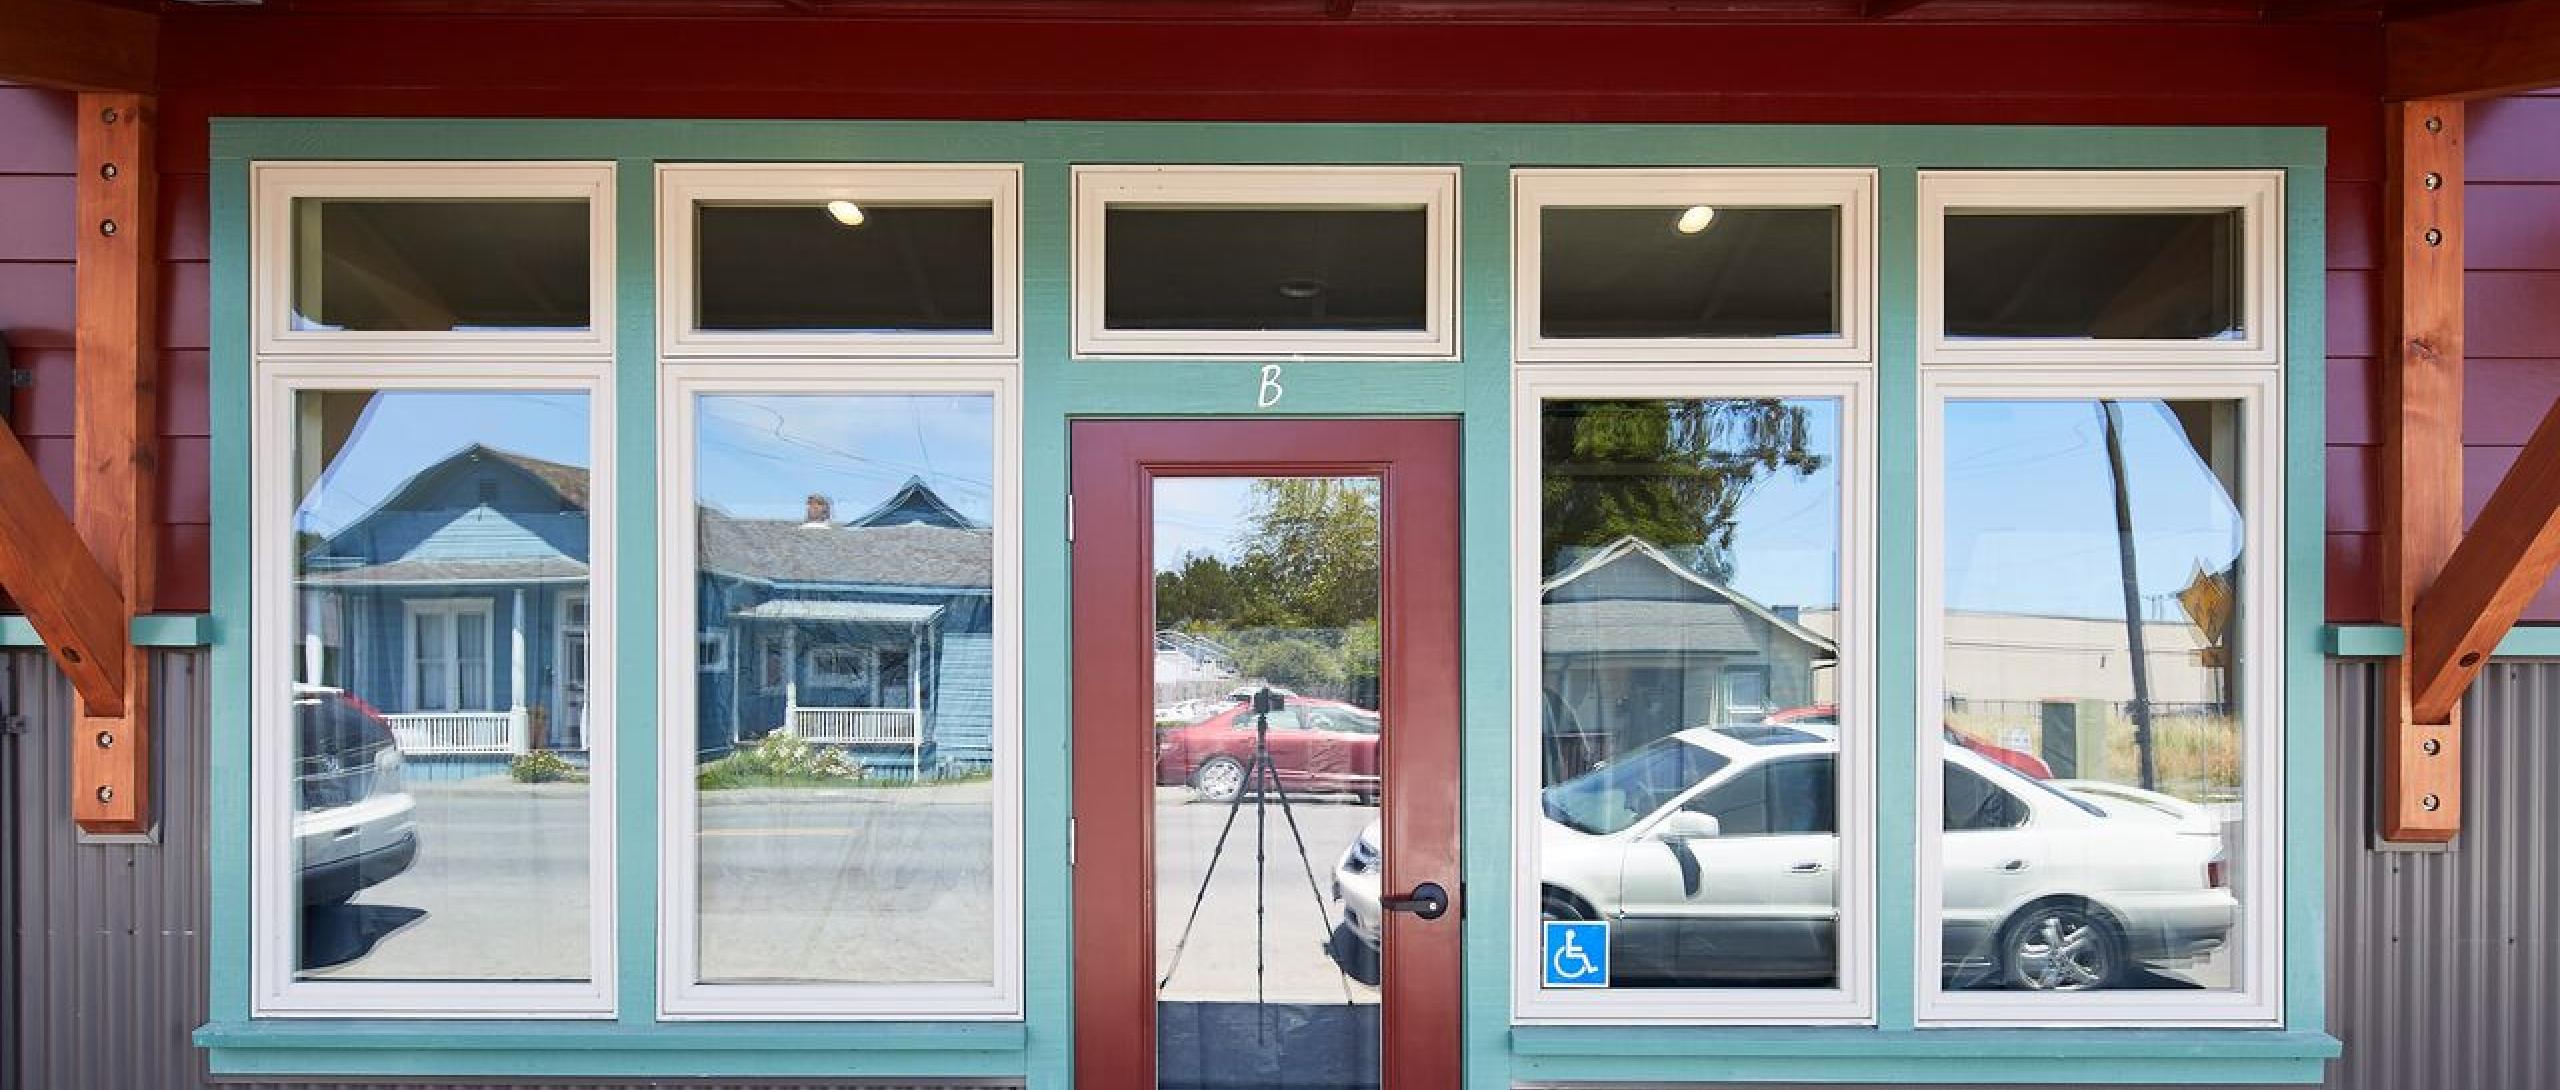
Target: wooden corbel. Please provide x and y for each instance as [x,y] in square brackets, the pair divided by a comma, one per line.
[2419,793]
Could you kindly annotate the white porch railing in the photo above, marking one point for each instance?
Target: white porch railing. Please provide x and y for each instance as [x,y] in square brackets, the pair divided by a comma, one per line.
[857,726]
[423,734]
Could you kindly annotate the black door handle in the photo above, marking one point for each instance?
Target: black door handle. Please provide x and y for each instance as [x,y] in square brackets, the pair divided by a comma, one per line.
[1428,901]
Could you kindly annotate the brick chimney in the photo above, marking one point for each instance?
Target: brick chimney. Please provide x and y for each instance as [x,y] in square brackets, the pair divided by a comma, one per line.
[822,511]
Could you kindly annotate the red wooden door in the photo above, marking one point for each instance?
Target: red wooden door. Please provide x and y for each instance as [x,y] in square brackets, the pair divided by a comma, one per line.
[1220,940]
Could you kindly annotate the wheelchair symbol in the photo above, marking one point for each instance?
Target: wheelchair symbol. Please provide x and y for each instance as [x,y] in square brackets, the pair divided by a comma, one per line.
[1577,954]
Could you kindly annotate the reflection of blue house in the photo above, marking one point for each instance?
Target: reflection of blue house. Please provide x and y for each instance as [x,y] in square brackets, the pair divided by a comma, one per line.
[874,633]
[458,607]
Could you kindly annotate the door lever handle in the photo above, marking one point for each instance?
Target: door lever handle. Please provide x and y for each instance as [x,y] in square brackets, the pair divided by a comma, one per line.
[1427,901]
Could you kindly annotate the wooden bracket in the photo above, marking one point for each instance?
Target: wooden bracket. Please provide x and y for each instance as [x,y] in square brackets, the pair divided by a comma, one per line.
[2419,793]
[116,467]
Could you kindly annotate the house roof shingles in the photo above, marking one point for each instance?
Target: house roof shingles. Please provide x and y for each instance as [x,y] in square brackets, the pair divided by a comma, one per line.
[780,551]
[1619,626]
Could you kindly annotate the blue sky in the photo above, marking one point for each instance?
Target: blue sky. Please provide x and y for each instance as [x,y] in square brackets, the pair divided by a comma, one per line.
[761,456]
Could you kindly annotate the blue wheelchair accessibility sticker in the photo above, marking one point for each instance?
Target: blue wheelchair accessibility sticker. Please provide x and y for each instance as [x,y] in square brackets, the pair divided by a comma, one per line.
[1577,954]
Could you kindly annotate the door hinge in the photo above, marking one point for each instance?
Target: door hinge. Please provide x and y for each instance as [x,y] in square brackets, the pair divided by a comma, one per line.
[1071,842]
[1071,518]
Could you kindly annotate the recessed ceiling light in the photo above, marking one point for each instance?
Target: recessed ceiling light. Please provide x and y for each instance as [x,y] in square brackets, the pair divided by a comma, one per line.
[1696,219]
[847,212]
[1301,288]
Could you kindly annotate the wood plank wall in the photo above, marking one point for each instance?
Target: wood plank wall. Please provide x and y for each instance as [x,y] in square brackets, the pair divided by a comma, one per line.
[2511,338]
[36,154]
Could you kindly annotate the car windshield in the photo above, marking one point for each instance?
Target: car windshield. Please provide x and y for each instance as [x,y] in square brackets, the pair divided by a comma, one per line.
[1620,793]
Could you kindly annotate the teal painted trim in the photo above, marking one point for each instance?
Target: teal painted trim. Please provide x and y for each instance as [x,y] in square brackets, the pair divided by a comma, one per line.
[1485,608]
[1057,388]
[150,630]
[2305,752]
[1006,141]
[1048,879]
[1897,589]
[2023,1044]
[228,978]
[2383,641]
[524,1049]
[634,446]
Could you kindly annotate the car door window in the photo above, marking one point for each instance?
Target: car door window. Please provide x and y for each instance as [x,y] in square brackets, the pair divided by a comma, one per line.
[1780,798]
[1973,802]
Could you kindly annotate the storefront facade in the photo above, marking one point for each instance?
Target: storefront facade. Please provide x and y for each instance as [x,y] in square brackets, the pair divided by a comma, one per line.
[1772,575]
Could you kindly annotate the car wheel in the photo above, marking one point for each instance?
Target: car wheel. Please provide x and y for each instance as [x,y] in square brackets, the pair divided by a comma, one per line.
[1556,904]
[2061,947]
[1219,779]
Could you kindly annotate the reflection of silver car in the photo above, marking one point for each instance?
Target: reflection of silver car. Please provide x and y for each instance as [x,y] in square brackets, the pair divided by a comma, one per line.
[354,823]
[1712,853]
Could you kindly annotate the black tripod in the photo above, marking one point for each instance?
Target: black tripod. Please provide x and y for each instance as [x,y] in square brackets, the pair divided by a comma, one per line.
[1262,781]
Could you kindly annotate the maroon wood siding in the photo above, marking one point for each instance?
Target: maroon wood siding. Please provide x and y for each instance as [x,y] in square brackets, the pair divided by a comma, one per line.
[2511,334]
[264,62]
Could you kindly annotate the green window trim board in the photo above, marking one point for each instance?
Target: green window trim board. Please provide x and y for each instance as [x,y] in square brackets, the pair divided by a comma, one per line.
[1476,390]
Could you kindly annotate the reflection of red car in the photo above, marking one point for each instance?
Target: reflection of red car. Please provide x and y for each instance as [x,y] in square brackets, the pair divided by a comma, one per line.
[1316,746]
[2027,763]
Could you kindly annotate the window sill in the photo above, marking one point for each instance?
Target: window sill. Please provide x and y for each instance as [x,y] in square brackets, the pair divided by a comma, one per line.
[1858,1054]
[403,1048]
[151,630]
[2384,641]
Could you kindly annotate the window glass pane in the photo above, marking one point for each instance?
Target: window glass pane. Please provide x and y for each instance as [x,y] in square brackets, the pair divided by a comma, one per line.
[1267,739]
[1690,553]
[441,813]
[2093,579]
[1695,271]
[2111,275]
[440,265]
[834,531]
[1242,268]
[843,267]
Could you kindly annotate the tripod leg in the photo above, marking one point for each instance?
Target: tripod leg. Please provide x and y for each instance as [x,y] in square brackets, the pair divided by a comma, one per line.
[1202,897]
[1289,814]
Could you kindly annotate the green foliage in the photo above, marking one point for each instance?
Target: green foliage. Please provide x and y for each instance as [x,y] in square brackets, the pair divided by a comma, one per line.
[777,760]
[1299,603]
[1670,472]
[541,766]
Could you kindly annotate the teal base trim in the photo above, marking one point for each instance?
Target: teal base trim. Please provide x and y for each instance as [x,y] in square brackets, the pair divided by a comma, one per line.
[152,630]
[1859,1054]
[336,1047]
[2382,641]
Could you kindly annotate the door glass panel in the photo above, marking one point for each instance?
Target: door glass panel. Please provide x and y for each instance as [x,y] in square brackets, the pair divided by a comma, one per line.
[440,265]
[2091,662]
[1246,268]
[2109,275]
[1689,271]
[1690,668]
[1267,863]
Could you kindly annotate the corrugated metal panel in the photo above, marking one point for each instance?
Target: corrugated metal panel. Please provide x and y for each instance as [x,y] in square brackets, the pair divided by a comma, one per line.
[2445,967]
[110,958]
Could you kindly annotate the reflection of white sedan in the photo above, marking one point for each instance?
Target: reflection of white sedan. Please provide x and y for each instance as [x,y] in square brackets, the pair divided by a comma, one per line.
[1713,855]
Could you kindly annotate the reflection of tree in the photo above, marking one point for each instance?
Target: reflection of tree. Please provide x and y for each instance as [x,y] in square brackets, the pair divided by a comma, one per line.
[1299,603]
[1669,472]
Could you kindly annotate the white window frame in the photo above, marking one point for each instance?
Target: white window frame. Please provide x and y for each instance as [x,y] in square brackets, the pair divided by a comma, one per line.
[1851,191]
[2257,194]
[276,186]
[2258,960]
[711,651]
[452,609]
[682,187]
[1851,1001]
[681,997]
[1434,189]
[275,904]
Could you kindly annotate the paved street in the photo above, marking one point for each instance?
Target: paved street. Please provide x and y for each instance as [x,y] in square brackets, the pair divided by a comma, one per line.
[1219,962]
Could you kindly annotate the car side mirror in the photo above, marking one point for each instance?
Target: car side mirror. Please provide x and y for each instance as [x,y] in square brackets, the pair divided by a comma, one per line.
[1683,825]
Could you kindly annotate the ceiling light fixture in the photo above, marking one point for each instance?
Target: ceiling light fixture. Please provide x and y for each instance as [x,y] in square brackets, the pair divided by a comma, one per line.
[845,212]
[1696,219]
